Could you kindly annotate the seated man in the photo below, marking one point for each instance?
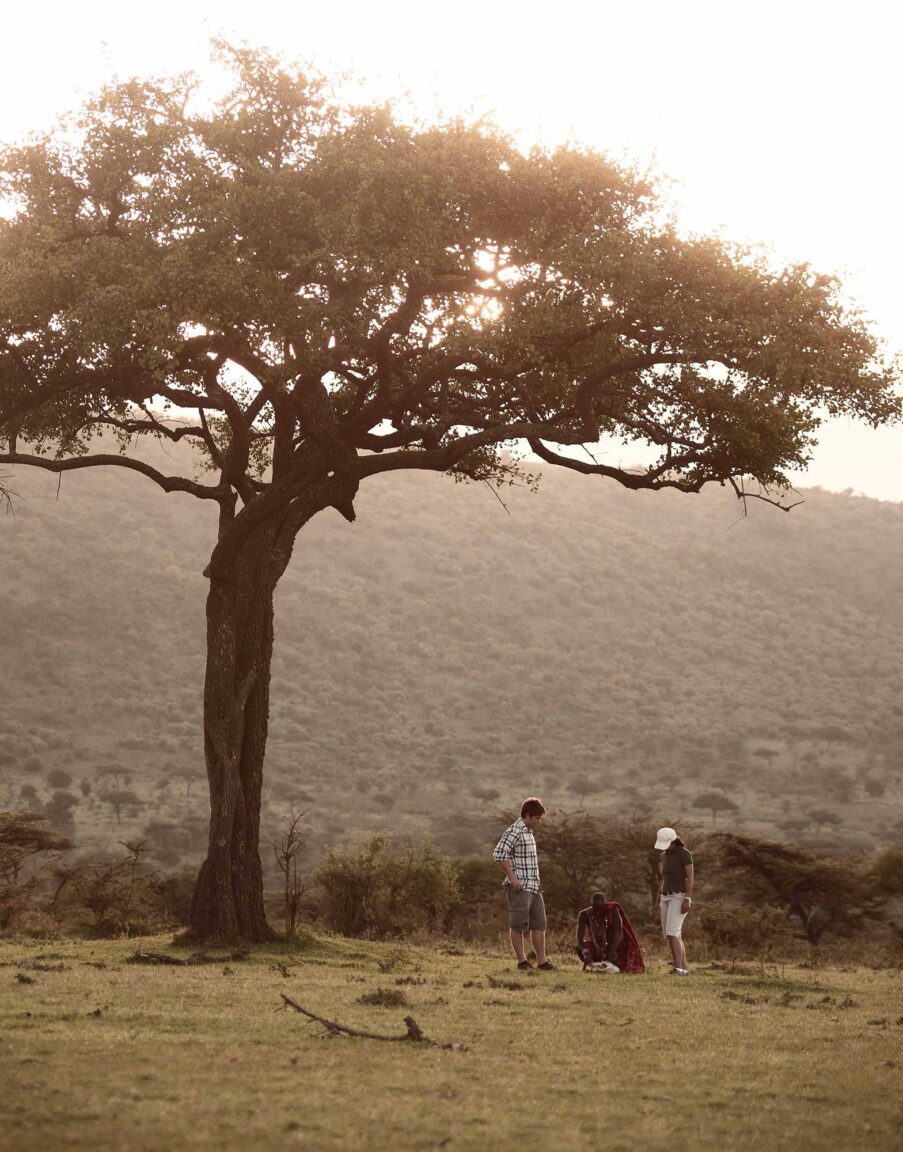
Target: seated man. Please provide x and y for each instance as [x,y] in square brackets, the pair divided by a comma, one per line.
[606,936]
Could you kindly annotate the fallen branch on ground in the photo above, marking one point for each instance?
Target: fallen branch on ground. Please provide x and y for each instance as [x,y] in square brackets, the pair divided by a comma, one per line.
[414,1031]
[194,958]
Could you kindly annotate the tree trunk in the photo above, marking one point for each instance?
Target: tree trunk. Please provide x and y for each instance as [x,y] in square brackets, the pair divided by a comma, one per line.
[227,904]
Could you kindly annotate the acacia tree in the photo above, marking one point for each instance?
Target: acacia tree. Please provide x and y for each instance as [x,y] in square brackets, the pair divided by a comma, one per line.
[315,295]
[716,802]
[821,893]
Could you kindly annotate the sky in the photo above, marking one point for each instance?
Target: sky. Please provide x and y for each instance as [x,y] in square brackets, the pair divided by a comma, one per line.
[776,122]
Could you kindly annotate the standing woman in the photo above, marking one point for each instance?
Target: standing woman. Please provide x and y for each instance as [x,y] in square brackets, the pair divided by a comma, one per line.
[674,894]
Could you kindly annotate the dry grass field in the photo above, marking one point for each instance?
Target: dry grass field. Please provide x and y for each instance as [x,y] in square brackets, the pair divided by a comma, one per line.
[101,1054]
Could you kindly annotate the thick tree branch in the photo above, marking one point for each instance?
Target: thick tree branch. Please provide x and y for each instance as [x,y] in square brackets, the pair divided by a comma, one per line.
[167,483]
[185,398]
[151,426]
[653,478]
[228,348]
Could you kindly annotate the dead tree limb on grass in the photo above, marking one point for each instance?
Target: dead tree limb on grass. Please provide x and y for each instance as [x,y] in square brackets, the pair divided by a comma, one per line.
[414,1031]
[139,957]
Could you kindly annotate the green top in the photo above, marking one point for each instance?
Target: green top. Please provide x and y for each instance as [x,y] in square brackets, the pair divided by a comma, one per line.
[674,875]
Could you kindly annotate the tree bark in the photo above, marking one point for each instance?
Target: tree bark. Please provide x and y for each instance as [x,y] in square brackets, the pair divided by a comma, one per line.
[244,570]
[227,904]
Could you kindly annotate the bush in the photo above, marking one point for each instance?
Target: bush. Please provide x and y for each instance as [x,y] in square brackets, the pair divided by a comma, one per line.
[744,930]
[386,889]
[118,892]
[888,871]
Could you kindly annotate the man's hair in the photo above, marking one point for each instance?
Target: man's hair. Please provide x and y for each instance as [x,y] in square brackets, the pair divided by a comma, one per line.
[532,806]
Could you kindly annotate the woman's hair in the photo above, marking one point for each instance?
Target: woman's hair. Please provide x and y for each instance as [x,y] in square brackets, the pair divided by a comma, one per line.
[675,843]
[532,806]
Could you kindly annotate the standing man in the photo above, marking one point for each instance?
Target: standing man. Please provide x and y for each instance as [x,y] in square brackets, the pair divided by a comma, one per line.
[516,855]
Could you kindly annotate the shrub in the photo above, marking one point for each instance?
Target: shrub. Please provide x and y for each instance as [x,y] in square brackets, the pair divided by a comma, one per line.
[745,930]
[119,892]
[386,889]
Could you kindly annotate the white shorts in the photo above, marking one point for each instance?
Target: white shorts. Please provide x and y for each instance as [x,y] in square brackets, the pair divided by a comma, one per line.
[672,917]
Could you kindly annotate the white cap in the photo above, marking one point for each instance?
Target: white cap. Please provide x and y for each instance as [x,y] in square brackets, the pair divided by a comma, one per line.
[664,838]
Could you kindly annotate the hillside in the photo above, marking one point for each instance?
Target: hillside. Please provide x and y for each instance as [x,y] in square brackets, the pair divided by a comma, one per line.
[622,650]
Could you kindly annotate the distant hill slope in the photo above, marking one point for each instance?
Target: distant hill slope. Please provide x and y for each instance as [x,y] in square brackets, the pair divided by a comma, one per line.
[594,644]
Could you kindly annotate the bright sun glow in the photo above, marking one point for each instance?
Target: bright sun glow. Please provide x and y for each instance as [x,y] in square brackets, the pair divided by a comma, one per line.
[777,122]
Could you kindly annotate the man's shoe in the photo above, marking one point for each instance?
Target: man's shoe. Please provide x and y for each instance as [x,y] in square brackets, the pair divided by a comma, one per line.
[680,972]
[525,966]
[546,967]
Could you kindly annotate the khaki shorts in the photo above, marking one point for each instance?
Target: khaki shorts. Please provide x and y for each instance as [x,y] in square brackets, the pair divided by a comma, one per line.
[672,917]
[526,911]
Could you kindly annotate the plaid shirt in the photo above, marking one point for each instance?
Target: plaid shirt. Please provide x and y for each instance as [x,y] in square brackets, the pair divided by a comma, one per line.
[518,844]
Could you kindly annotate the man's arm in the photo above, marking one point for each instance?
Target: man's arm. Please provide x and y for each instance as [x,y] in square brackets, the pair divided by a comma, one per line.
[502,856]
[507,867]
[581,928]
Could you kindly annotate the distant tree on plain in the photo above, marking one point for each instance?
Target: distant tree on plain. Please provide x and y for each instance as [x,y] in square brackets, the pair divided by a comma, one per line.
[122,800]
[821,817]
[116,772]
[187,774]
[334,295]
[715,802]
[60,807]
[28,794]
[582,786]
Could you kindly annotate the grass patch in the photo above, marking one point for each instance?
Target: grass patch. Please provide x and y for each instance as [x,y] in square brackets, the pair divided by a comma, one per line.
[384,998]
[104,1054]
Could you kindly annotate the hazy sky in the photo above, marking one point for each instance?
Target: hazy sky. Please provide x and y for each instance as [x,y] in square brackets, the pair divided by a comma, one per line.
[778,122]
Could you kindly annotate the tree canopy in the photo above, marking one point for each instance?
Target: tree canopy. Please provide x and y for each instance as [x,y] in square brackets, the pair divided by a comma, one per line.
[334,293]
